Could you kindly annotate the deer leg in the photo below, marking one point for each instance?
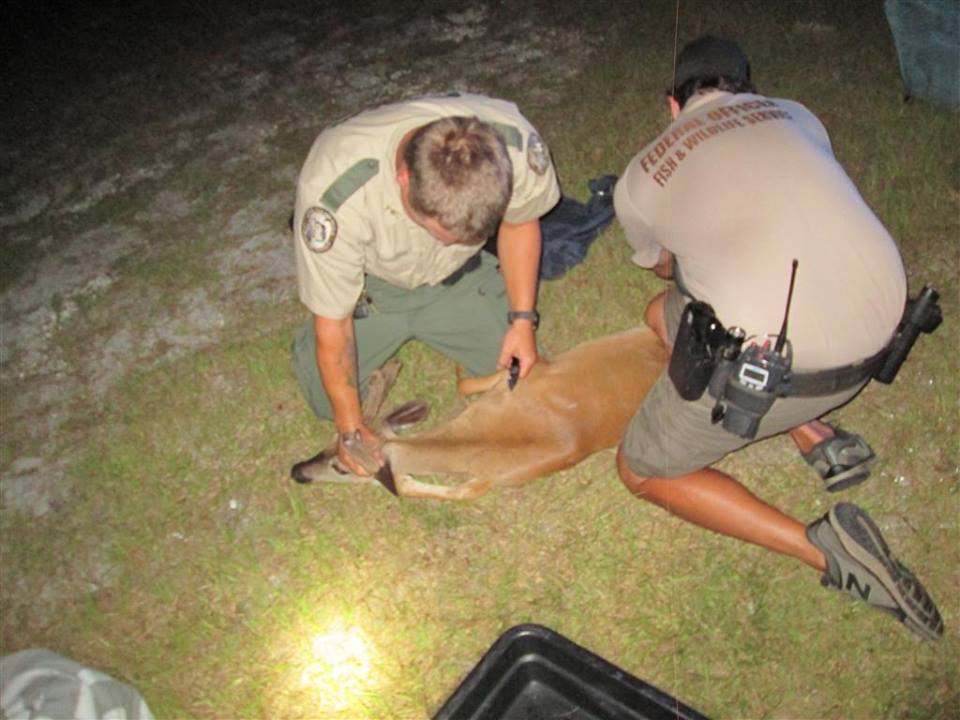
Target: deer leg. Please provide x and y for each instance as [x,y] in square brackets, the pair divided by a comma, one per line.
[408,487]
[472,386]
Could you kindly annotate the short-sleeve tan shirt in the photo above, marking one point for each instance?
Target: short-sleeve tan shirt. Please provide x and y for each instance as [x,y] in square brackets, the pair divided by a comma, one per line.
[357,160]
[736,188]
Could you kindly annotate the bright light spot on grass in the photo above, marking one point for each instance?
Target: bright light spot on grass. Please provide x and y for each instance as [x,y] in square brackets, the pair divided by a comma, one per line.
[340,670]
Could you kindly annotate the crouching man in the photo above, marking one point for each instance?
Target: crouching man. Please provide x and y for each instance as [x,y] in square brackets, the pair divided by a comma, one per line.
[736,189]
[393,206]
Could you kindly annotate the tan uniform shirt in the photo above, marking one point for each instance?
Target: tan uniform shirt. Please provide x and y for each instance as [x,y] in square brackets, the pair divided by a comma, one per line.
[736,188]
[357,159]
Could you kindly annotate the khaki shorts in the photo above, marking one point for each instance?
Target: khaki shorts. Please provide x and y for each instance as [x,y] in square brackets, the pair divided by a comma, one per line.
[669,436]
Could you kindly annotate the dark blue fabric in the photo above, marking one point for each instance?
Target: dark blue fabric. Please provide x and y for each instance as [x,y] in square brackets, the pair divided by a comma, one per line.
[571,227]
[927,36]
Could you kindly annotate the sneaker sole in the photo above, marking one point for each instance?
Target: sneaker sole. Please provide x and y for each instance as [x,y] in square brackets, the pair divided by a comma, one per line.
[862,539]
[849,477]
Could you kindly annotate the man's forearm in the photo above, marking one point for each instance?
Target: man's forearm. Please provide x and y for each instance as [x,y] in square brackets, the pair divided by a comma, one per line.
[337,363]
[518,247]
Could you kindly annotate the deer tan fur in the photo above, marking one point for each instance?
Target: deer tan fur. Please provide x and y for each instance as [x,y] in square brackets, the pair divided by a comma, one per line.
[562,412]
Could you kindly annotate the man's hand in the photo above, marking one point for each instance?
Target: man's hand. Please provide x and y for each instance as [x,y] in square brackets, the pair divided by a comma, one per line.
[359,451]
[519,342]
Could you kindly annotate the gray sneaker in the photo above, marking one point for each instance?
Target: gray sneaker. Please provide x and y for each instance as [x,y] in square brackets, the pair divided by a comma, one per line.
[860,563]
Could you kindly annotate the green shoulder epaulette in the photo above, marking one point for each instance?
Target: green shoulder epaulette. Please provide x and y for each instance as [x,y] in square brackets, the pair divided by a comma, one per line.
[349,182]
[511,135]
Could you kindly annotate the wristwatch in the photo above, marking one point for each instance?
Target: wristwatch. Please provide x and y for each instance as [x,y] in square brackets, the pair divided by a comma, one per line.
[531,315]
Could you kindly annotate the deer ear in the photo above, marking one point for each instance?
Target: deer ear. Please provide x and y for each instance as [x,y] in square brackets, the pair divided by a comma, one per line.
[378,387]
[407,415]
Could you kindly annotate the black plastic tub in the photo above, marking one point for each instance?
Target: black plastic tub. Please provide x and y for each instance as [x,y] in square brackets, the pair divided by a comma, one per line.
[534,673]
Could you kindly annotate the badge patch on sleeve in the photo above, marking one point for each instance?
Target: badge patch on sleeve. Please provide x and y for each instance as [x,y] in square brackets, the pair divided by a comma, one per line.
[538,156]
[318,229]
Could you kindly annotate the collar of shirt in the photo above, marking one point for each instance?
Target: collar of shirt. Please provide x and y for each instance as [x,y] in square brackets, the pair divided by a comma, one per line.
[397,225]
[695,103]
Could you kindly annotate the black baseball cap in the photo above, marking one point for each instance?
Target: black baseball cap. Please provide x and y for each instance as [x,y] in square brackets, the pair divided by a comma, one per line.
[711,57]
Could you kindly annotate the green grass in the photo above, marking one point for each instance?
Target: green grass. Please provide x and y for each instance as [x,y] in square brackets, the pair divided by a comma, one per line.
[216,571]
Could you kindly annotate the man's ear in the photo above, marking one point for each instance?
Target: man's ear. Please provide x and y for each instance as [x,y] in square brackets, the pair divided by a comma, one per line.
[403,176]
[674,106]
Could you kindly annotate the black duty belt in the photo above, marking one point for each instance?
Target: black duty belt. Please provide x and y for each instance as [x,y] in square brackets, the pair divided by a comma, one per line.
[817,383]
[469,266]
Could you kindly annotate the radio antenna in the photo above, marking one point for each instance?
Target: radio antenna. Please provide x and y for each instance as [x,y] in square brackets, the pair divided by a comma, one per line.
[782,337]
[676,35]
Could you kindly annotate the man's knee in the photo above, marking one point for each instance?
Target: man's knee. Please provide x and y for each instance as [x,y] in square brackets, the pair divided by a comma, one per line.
[632,481]
[655,317]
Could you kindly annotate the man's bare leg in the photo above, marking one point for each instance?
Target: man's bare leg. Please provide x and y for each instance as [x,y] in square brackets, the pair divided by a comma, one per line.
[809,434]
[717,502]
[655,318]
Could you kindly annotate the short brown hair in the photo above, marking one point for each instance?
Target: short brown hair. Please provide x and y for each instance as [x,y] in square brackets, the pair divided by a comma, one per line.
[461,175]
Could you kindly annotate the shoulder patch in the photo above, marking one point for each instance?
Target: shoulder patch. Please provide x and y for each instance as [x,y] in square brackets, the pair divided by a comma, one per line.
[538,156]
[349,182]
[318,229]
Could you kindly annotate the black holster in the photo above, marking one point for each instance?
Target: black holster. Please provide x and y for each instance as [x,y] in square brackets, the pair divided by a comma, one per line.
[695,350]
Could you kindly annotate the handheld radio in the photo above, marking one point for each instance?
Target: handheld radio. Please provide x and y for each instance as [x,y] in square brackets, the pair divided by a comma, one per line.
[746,385]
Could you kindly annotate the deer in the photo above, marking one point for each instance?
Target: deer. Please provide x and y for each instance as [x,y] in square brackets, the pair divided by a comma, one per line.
[565,410]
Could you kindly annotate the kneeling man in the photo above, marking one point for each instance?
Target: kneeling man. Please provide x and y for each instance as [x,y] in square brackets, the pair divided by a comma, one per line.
[393,206]
[737,188]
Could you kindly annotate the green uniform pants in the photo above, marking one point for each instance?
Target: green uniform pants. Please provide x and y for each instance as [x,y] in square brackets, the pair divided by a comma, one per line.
[465,321]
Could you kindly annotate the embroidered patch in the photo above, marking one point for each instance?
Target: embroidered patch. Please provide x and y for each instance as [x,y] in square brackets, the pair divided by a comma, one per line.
[538,156]
[318,229]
